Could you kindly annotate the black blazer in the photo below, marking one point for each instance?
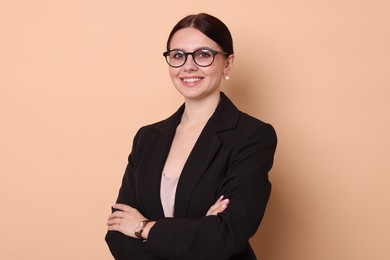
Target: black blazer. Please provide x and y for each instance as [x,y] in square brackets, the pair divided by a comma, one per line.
[231,157]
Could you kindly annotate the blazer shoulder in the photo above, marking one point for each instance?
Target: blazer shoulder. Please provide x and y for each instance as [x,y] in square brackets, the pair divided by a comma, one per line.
[164,125]
[255,129]
[246,120]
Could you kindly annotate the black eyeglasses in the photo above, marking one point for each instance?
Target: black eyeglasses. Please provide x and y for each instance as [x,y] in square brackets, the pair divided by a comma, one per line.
[203,57]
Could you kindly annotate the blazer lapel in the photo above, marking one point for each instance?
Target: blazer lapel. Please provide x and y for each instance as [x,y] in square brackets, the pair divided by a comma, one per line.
[150,179]
[206,148]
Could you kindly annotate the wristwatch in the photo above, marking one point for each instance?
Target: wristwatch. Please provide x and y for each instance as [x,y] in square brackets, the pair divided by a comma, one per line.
[140,227]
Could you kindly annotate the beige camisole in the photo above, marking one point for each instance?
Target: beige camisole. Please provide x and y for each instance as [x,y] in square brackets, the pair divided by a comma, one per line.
[167,194]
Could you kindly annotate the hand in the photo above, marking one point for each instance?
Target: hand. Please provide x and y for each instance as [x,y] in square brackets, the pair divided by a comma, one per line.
[219,206]
[124,220]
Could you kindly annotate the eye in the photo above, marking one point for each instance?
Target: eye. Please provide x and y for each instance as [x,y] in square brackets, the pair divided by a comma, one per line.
[177,55]
[204,54]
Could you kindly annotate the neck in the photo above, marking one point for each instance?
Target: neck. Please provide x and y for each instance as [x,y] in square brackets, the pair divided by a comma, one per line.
[199,111]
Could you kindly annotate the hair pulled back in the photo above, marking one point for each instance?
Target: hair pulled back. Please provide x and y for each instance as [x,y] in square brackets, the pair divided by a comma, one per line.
[210,26]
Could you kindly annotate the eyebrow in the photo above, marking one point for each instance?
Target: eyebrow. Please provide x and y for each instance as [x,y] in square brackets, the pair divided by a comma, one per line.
[200,48]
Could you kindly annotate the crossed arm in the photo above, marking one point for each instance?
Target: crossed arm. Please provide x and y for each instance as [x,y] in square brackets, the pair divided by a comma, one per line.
[126,218]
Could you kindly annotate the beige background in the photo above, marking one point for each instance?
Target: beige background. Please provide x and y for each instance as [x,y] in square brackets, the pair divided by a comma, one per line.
[78,78]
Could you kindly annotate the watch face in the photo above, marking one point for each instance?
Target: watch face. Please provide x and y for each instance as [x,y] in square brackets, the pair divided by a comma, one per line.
[138,227]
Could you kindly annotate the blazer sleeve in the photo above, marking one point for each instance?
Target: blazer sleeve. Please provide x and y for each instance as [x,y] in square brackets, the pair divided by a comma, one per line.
[120,245]
[247,186]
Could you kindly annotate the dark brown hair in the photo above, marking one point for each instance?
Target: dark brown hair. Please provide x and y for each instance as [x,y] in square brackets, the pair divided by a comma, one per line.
[210,26]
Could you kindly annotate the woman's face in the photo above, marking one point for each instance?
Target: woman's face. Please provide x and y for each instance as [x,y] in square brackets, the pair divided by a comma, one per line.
[192,81]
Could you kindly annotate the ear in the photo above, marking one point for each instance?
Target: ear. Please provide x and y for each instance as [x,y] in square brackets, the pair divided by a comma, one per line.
[228,65]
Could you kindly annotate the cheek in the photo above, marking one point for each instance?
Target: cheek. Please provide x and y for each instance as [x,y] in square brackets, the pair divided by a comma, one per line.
[174,74]
[213,72]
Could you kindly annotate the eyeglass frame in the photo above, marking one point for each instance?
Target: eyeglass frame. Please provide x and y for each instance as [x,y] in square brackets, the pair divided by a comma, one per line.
[214,52]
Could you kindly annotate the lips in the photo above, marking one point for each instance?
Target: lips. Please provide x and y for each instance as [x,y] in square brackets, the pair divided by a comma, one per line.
[191,80]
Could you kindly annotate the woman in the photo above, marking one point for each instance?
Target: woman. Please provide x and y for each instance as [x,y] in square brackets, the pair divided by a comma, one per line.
[196,184]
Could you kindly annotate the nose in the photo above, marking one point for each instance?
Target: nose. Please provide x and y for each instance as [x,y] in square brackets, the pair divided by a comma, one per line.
[190,63]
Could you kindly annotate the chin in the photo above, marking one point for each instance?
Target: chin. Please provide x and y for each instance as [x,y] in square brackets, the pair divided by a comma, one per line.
[196,94]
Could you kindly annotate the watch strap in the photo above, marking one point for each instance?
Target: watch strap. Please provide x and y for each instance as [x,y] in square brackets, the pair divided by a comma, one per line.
[140,227]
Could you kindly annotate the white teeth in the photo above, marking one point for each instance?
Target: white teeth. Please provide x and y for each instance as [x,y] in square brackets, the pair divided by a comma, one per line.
[191,80]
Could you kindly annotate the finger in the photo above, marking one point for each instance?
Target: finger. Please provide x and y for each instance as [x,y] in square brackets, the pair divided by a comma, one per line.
[214,210]
[116,214]
[115,227]
[214,207]
[211,210]
[221,203]
[217,204]
[226,202]
[221,206]
[114,221]
[122,207]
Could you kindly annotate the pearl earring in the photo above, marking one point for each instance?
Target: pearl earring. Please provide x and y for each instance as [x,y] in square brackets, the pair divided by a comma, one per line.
[226,77]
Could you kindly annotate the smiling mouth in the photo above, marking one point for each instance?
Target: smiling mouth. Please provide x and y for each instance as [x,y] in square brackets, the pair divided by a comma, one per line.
[191,80]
